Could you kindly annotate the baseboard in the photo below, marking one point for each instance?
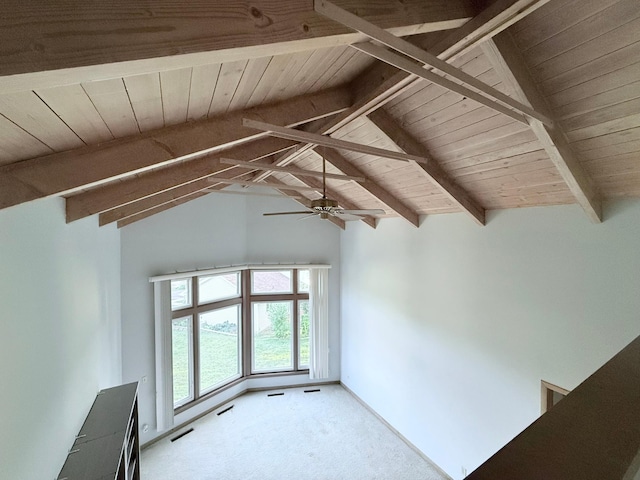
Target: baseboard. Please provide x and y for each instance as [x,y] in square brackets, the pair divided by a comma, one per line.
[390,427]
[317,384]
[224,403]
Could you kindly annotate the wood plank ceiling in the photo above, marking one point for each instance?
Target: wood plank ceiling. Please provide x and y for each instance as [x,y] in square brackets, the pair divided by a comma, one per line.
[127,131]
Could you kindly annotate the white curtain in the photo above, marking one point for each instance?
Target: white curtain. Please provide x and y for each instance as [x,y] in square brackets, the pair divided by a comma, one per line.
[319,323]
[164,368]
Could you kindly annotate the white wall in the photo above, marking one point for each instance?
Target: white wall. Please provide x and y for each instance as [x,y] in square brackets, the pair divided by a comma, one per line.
[60,338]
[215,230]
[447,330]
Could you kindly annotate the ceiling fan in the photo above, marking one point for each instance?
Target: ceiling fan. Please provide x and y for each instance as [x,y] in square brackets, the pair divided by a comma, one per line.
[325,207]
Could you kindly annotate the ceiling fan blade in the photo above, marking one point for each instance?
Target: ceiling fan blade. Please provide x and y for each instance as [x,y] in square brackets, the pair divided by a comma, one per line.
[287,213]
[374,211]
[308,216]
[347,216]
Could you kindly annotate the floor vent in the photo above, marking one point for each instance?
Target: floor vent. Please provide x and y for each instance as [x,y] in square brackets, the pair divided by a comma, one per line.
[275,394]
[311,391]
[225,410]
[181,435]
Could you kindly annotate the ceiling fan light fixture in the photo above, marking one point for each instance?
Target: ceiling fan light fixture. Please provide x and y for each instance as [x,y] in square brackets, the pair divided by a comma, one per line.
[324,204]
[325,207]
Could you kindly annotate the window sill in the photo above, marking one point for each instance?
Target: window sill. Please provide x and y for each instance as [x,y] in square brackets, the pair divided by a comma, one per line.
[213,393]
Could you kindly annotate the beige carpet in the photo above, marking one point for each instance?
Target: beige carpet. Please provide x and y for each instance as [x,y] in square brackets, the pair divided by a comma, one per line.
[322,435]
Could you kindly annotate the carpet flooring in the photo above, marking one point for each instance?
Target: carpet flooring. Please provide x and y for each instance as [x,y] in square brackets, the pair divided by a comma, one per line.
[319,435]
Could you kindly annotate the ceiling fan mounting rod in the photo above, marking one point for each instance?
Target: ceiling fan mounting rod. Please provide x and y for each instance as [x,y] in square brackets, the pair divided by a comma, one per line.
[324,177]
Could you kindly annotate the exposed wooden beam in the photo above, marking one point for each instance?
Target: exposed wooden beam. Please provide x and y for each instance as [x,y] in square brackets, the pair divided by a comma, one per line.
[508,62]
[298,172]
[180,200]
[194,189]
[326,141]
[152,203]
[158,209]
[433,171]
[373,187]
[284,186]
[247,193]
[51,43]
[497,17]
[303,176]
[170,195]
[141,186]
[383,83]
[411,67]
[429,60]
[67,172]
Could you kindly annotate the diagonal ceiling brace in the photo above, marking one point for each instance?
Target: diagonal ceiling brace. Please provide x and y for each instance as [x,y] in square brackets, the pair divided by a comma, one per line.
[411,67]
[489,96]
[498,16]
[298,188]
[325,140]
[345,166]
[293,171]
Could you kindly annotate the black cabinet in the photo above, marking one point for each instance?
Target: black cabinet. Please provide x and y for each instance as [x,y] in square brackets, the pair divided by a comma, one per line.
[107,447]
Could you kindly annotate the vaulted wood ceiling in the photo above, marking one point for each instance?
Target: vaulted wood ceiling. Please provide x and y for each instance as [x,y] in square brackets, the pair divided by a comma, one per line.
[126,109]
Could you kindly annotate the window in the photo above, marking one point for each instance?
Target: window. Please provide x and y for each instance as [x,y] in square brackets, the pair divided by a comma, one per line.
[213,288]
[219,332]
[303,333]
[276,299]
[226,326]
[271,281]
[182,360]
[180,294]
[272,335]
[206,334]
[303,281]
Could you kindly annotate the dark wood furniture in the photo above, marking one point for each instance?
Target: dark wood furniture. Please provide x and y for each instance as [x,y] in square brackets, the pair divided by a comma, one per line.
[108,446]
[592,434]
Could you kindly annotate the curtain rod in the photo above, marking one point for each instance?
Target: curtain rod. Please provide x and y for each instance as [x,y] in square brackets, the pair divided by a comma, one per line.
[234,268]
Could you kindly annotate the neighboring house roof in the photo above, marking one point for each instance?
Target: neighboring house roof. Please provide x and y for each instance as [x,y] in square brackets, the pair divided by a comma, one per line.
[268,281]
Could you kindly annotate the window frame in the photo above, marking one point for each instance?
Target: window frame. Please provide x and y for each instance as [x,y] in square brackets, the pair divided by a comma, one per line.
[296,296]
[206,391]
[190,381]
[194,312]
[221,299]
[292,281]
[189,281]
[245,299]
[254,370]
